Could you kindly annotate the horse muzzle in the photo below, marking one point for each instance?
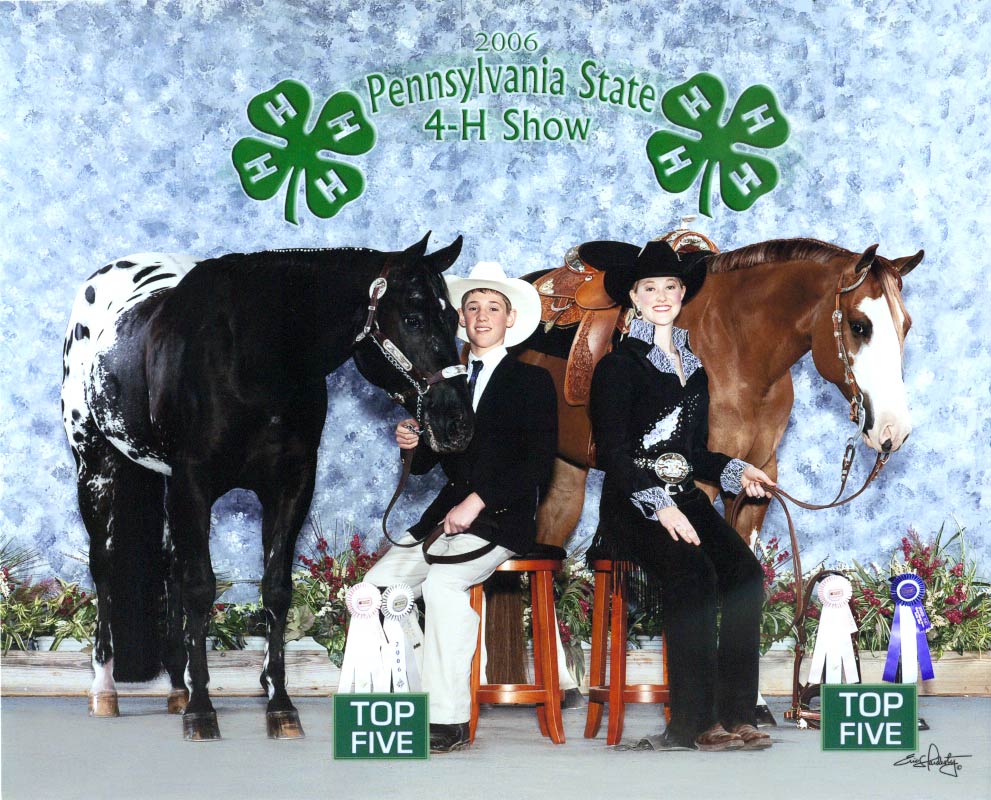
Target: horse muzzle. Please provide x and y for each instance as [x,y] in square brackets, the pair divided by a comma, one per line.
[888,437]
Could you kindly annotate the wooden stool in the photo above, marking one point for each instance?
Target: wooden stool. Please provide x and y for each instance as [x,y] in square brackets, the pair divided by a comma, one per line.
[609,613]
[545,691]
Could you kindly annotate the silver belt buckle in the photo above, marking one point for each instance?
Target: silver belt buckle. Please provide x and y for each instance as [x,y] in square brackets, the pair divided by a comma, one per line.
[672,468]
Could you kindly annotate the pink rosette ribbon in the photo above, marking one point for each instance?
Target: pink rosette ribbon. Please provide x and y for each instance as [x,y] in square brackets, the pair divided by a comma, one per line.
[833,649]
[362,670]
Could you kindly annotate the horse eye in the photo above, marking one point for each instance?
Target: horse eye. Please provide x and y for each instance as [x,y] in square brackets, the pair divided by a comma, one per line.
[413,321]
[861,329]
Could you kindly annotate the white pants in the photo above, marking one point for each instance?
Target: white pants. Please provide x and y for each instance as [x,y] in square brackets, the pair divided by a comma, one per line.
[451,629]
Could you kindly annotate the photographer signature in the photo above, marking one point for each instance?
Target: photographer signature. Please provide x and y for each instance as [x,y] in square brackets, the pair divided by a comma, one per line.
[948,764]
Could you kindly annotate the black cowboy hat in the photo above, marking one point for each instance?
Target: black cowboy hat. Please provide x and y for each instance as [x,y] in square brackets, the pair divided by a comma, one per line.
[655,260]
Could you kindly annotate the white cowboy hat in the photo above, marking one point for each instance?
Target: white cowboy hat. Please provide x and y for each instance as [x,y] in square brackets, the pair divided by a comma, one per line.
[523,297]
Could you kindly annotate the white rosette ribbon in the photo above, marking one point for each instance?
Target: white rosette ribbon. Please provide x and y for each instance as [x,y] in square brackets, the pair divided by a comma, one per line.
[362,669]
[834,648]
[404,641]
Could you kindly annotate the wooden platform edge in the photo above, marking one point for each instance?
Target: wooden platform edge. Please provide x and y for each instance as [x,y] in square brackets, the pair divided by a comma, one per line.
[311,674]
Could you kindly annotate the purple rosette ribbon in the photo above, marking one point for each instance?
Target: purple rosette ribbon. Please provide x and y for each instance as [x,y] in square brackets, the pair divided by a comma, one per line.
[908,631]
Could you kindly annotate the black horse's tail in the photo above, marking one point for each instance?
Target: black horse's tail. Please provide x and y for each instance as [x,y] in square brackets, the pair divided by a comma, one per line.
[138,573]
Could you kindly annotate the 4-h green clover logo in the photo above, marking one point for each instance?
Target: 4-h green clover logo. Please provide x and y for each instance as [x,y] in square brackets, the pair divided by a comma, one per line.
[698,105]
[283,112]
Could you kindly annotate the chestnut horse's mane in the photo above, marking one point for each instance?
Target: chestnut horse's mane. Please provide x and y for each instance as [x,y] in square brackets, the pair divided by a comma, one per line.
[775,250]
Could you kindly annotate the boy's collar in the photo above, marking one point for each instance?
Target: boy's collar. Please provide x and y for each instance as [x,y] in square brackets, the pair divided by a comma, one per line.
[493,356]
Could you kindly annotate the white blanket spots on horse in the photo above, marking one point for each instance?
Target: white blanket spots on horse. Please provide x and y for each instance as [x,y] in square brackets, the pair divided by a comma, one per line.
[663,430]
[102,300]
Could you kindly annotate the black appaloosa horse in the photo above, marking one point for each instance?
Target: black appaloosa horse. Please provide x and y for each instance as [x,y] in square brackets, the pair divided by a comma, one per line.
[184,379]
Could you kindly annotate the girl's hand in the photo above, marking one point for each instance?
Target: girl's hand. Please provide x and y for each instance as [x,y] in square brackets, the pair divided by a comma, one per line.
[754,480]
[677,525]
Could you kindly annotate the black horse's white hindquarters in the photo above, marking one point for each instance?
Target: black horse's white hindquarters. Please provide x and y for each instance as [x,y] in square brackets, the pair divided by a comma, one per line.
[121,485]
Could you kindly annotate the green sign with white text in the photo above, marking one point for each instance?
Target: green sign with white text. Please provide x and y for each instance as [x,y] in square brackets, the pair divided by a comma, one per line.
[381,726]
[870,716]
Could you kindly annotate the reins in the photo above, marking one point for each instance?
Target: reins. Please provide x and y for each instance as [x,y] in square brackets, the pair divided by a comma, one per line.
[421,384]
[480,525]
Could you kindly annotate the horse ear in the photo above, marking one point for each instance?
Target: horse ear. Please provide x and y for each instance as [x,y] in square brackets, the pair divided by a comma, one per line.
[906,264]
[440,260]
[866,259]
[417,250]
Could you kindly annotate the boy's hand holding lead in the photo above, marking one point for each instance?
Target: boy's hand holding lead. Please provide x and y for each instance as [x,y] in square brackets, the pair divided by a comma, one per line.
[407,436]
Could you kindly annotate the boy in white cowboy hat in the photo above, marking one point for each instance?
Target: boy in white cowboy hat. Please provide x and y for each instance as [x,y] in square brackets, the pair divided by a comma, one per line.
[495,481]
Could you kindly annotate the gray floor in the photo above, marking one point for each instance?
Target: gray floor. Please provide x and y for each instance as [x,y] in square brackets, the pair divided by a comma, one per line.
[52,749]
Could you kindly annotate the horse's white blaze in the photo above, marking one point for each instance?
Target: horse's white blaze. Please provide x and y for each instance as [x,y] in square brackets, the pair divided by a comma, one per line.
[878,369]
[96,312]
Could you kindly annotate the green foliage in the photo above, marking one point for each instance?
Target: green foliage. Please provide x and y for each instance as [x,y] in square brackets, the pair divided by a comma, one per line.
[573,593]
[332,566]
[957,603]
[51,607]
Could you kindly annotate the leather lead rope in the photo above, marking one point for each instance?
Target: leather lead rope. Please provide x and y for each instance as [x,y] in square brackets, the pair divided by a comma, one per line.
[479,525]
[407,456]
[801,601]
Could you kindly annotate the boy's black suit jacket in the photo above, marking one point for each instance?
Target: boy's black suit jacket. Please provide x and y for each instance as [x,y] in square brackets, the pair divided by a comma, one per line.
[508,460]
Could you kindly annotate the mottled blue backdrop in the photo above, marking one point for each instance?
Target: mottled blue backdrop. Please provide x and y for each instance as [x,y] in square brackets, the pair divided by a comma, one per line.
[117,129]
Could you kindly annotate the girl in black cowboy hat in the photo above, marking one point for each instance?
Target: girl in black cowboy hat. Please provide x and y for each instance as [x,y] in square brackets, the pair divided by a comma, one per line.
[649,409]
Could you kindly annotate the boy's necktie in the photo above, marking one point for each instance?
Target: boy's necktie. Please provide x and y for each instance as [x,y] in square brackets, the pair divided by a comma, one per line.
[476,367]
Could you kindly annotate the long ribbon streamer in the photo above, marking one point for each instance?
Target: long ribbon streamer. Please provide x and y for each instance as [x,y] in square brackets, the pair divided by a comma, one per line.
[908,631]
[362,670]
[399,654]
[834,648]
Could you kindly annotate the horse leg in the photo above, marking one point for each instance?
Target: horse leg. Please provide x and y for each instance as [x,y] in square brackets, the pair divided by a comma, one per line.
[95,507]
[189,522]
[282,517]
[122,509]
[561,507]
[175,650]
[757,439]
[557,516]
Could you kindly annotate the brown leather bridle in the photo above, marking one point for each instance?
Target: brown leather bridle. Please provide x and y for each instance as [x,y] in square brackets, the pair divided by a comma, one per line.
[421,382]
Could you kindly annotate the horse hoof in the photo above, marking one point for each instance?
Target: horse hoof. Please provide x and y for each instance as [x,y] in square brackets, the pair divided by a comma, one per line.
[178,700]
[103,704]
[284,725]
[201,727]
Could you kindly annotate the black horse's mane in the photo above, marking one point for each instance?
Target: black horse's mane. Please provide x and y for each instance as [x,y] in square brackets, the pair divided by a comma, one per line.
[775,250]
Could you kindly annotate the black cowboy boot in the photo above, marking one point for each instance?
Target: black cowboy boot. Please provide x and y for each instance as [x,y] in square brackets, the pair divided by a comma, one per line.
[448,738]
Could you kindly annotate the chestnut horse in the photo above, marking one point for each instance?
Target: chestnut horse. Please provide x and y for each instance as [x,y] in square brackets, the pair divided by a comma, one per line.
[183,379]
[761,308]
